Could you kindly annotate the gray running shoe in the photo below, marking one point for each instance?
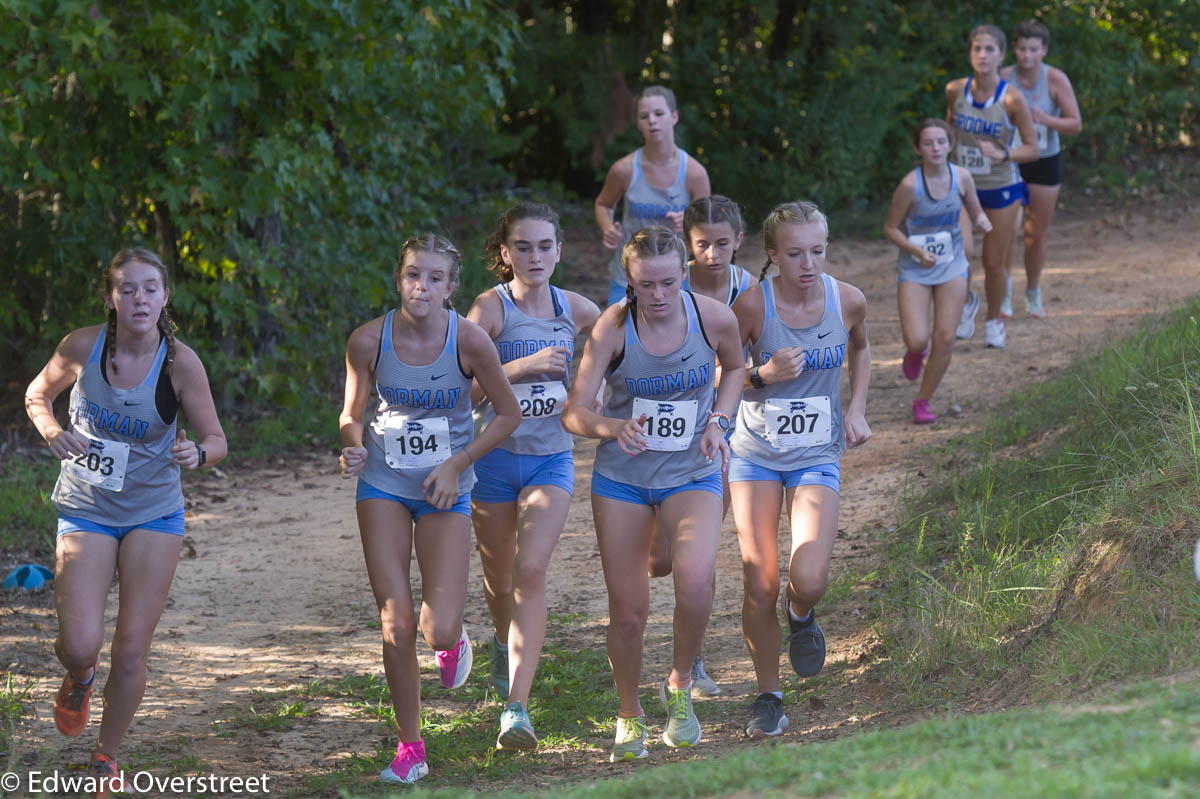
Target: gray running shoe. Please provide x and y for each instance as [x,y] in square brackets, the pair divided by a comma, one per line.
[966,325]
[806,646]
[701,682]
[683,728]
[766,717]
[499,669]
[630,743]
[516,731]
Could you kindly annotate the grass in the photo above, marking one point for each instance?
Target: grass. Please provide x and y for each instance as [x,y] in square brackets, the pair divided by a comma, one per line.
[1055,547]
[14,700]
[282,717]
[27,518]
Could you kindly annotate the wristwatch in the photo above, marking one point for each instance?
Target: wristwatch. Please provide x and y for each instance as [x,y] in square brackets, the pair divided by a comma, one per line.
[203,456]
[755,380]
[721,419]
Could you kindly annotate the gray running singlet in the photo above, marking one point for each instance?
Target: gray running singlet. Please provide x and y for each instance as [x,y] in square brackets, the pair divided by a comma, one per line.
[986,120]
[645,205]
[675,391]
[933,225]
[798,423]
[541,397]
[128,476]
[739,281]
[1039,97]
[421,415]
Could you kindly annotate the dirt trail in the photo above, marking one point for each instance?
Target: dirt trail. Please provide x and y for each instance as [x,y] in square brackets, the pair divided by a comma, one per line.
[271,593]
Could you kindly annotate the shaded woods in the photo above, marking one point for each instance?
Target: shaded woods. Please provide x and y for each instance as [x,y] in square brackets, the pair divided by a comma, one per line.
[278,153]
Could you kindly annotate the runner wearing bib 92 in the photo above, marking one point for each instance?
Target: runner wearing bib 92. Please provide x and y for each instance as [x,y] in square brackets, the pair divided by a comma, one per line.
[118,494]
[924,223]
[1055,113]
[801,327]
[661,456]
[985,115]
[520,502]
[406,432]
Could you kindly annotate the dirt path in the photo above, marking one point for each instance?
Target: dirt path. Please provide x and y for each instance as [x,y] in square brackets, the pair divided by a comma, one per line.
[271,593]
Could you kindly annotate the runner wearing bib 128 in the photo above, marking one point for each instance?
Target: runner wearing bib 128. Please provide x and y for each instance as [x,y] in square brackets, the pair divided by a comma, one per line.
[801,327]
[984,115]
[660,460]
[520,504]
[406,433]
[118,493]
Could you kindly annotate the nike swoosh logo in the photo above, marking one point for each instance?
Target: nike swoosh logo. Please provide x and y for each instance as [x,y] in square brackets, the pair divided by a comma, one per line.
[438,377]
[690,354]
[561,329]
[823,335]
[127,402]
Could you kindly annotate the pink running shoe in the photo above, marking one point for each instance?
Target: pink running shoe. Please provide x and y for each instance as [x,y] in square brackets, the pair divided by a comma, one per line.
[913,361]
[408,766]
[921,412]
[454,665]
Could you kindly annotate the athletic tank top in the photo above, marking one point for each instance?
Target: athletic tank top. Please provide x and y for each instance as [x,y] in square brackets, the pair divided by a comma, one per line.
[933,225]
[739,281]
[128,476]
[986,120]
[645,205]
[541,397]
[675,391]
[1039,97]
[418,417]
[798,423]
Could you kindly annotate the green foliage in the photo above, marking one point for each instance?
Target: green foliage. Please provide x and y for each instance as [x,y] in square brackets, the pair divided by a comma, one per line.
[275,153]
[26,482]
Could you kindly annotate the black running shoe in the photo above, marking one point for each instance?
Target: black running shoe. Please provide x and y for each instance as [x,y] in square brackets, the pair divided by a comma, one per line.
[806,646]
[766,717]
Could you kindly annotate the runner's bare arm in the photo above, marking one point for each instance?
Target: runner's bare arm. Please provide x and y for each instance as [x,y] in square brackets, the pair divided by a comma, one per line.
[195,398]
[854,306]
[1070,121]
[620,174]
[966,187]
[361,350]
[902,200]
[59,373]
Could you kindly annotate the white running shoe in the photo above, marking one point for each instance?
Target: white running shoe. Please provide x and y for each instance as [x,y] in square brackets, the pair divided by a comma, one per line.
[1033,301]
[993,331]
[966,325]
[1006,304]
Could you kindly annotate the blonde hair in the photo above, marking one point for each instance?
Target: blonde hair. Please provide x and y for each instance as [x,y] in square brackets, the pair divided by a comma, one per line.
[656,91]
[504,227]
[647,243]
[801,212]
[166,327]
[438,245]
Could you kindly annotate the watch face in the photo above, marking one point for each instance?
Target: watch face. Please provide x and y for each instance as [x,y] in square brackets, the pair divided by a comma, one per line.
[723,423]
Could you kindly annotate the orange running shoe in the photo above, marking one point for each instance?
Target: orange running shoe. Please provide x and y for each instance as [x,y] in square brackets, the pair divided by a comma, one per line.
[103,769]
[71,705]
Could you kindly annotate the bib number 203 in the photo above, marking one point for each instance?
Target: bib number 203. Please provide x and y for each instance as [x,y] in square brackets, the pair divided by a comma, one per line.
[94,462]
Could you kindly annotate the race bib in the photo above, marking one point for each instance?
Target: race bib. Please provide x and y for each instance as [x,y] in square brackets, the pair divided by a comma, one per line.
[416,443]
[941,244]
[669,425]
[1043,136]
[539,400]
[973,160]
[795,423]
[104,464]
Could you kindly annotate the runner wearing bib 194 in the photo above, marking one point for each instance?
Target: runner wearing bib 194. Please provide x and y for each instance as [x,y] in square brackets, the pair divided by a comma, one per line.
[924,223]
[118,493]
[406,434]
[984,115]
[1055,113]
[524,491]
[801,327]
[661,456]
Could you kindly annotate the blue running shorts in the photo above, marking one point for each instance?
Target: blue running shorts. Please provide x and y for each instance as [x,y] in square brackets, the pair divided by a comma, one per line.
[416,507]
[603,487]
[500,475]
[171,524]
[822,474]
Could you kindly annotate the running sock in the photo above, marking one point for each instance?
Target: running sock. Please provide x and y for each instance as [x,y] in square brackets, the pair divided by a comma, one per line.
[87,682]
[796,618]
[503,647]
[777,694]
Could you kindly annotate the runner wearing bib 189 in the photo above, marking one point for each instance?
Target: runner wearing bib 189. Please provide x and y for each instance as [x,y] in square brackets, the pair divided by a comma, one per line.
[661,456]
[801,327]
[924,223]
[118,494]
[406,433]
[524,491]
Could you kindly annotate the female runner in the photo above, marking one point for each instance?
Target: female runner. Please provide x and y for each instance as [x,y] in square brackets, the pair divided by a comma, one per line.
[924,223]
[800,327]
[662,453]
[520,502]
[118,495]
[406,433]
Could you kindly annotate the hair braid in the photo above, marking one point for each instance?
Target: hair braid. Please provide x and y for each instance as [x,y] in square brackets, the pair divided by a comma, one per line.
[110,339]
[167,328]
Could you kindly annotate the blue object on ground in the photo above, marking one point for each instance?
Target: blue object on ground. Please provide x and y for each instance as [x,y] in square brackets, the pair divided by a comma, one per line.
[29,576]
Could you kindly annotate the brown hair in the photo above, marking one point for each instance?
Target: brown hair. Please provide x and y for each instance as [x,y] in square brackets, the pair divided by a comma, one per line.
[656,91]
[801,212]
[166,327]
[713,210]
[438,245]
[647,243]
[1032,29]
[930,122]
[503,230]
[988,30]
